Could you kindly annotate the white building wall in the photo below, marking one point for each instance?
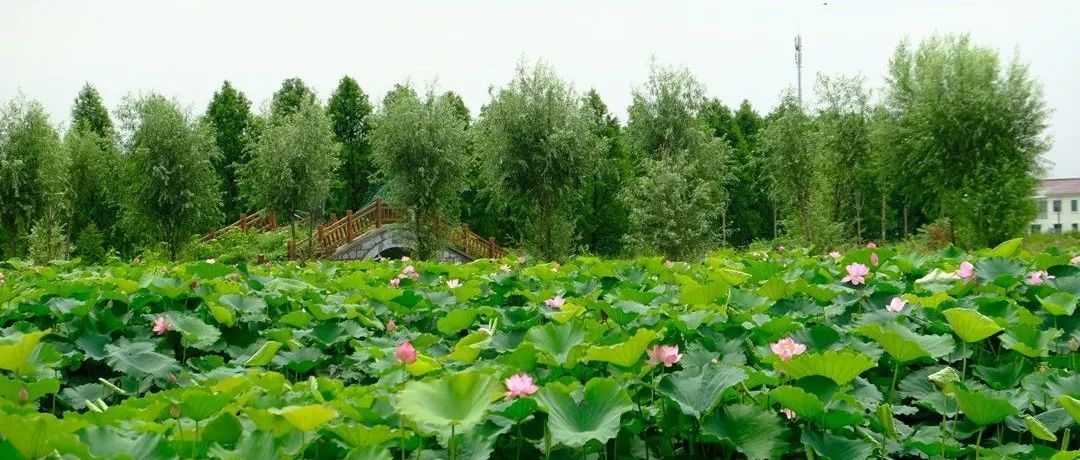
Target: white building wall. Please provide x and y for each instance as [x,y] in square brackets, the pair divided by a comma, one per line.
[1065,219]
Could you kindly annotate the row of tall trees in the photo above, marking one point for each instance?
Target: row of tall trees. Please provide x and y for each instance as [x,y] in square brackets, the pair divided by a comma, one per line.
[953,139]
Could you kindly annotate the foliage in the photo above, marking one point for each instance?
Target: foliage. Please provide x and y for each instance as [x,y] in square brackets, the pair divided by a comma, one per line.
[90,245]
[89,113]
[291,98]
[538,145]
[787,145]
[229,113]
[95,192]
[33,170]
[250,246]
[287,360]
[293,165]
[749,211]
[349,112]
[48,240]
[601,217]
[978,169]
[172,191]
[682,164]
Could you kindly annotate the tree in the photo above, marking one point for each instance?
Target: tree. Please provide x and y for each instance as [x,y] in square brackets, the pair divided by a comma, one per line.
[89,113]
[968,134]
[846,166]
[94,187]
[229,113]
[172,189]
[293,166]
[680,159]
[33,171]
[288,100]
[538,145]
[420,152]
[349,112]
[748,209]
[787,145]
[602,219]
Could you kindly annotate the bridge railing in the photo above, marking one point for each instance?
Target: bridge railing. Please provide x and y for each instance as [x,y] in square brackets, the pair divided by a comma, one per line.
[261,220]
[332,235]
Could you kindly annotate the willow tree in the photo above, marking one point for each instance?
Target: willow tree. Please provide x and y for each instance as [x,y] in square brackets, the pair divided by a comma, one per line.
[173,191]
[421,156]
[293,166]
[538,144]
[968,131]
[677,202]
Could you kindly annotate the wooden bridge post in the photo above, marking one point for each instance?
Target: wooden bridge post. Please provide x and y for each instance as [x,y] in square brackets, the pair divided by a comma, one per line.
[378,212]
[272,219]
[243,221]
[350,231]
[491,248]
[292,249]
[319,241]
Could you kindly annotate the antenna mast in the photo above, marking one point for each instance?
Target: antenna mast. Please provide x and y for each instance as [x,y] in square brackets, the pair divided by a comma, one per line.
[798,64]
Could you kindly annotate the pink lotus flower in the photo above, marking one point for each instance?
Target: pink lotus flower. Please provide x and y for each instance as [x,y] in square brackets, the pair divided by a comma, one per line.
[1038,277]
[896,305]
[172,379]
[519,385]
[395,282]
[453,284]
[405,353]
[24,395]
[966,271]
[556,302]
[788,413]
[835,255]
[856,274]
[874,259]
[1,277]
[666,354]
[781,249]
[161,325]
[786,348]
[505,268]
[1074,261]
[391,326]
[871,245]
[405,258]
[409,272]
[669,264]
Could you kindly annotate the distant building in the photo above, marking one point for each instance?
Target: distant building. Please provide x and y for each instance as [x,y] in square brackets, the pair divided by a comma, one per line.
[1058,204]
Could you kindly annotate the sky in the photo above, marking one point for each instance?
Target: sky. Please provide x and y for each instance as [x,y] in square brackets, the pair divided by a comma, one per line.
[739,50]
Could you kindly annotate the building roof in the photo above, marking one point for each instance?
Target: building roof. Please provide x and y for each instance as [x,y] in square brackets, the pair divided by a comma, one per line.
[1060,187]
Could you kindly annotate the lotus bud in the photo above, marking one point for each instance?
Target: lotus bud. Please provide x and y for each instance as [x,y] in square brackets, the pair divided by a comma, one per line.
[1074,344]
[23,395]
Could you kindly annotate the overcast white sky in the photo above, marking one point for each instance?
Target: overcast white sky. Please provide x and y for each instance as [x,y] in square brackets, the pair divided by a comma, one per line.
[741,50]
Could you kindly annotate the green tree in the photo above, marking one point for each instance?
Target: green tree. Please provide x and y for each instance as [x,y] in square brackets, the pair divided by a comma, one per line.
[294,164]
[90,113]
[350,111]
[680,159]
[33,171]
[845,164]
[786,143]
[290,98]
[173,192]
[749,212]
[229,113]
[95,189]
[602,219]
[538,144]
[420,151]
[968,131]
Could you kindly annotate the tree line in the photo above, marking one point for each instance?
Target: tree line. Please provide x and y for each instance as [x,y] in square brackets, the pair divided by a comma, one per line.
[949,145]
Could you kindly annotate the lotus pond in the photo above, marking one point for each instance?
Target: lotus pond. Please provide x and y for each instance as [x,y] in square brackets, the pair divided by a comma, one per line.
[868,354]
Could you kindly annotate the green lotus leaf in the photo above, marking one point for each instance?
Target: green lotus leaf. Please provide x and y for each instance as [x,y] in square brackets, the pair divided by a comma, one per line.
[560,341]
[970,325]
[38,435]
[981,408]
[456,320]
[469,347]
[1059,304]
[225,429]
[840,366]
[1071,405]
[16,349]
[756,433]
[806,405]
[363,436]
[106,442]
[193,331]
[458,400]
[264,355]
[573,422]
[199,405]
[1029,340]
[905,345]
[1037,429]
[1005,249]
[835,447]
[698,390]
[626,353]
[139,358]
[306,418]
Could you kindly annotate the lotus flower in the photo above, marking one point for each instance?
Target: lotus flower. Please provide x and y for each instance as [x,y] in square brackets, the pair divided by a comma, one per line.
[788,413]
[391,326]
[395,282]
[405,353]
[519,385]
[211,261]
[405,258]
[856,274]
[453,284]
[24,395]
[521,259]
[1,277]
[505,268]
[161,325]
[556,302]
[1038,277]
[409,272]
[966,271]
[666,354]
[896,305]
[1075,261]
[669,264]
[172,379]
[781,249]
[835,255]
[874,260]
[786,348]
[871,245]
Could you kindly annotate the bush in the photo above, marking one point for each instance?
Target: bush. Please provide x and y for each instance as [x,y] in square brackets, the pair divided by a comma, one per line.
[48,241]
[241,246]
[90,245]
